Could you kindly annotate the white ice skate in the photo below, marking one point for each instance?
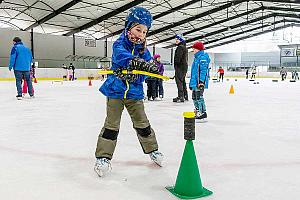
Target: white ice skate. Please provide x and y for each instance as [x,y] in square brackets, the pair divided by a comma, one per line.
[102,166]
[157,157]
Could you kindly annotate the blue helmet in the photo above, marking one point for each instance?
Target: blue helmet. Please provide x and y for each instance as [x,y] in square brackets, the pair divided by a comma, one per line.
[139,15]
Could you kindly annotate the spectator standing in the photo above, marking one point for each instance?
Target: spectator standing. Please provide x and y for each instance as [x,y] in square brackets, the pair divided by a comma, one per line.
[181,67]
[20,62]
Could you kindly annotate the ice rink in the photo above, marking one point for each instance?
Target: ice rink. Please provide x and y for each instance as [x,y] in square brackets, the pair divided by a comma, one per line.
[248,150]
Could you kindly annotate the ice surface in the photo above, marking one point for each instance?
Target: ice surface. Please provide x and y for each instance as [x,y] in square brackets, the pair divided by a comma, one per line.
[248,150]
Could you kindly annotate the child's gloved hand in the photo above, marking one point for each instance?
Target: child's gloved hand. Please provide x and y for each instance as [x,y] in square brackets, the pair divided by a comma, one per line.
[201,85]
[126,77]
[141,64]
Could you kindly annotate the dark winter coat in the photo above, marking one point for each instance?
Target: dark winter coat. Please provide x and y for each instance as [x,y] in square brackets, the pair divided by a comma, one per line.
[181,57]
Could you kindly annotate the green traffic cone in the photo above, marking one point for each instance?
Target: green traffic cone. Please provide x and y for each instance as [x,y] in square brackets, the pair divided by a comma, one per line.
[188,183]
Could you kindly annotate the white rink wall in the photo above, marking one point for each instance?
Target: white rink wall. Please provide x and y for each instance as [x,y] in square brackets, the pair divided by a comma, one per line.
[84,73]
[52,73]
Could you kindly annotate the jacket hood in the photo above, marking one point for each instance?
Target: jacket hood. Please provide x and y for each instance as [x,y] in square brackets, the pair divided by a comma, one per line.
[18,43]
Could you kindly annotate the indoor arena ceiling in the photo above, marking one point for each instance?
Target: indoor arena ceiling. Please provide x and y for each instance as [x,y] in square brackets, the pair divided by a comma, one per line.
[215,22]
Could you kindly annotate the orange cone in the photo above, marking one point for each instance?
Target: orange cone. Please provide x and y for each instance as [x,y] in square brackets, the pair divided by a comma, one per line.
[90,82]
[35,81]
[231,91]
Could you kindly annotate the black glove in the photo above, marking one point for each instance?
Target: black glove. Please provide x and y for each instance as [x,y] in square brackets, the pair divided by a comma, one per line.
[201,85]
[141,64]
[126,77]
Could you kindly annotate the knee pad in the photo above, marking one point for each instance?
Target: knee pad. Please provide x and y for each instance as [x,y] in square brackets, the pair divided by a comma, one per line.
[144,132]
[110,134]
[196,95]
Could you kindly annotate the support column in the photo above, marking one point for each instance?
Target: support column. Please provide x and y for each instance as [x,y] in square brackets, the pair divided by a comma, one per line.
[280,57]
[153,50]
[297,56]
[32,43]
[105,48]
[74,47]
[171,61]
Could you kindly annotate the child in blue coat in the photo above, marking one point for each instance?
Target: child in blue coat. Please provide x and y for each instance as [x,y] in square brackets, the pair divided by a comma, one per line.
[126,90]
[199,79]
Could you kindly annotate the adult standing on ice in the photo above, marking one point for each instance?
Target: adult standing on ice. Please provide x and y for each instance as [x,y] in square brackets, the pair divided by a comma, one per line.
[126,90]
[20,62]
[181,67]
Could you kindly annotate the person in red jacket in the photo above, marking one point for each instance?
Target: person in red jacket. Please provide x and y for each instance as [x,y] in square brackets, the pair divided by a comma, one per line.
[221,73]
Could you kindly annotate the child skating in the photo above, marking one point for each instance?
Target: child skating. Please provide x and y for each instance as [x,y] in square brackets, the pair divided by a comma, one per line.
[159,82]
[126,90]
[25,86]
[199,79]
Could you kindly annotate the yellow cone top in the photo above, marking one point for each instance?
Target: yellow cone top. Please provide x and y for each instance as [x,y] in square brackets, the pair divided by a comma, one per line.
[188,114]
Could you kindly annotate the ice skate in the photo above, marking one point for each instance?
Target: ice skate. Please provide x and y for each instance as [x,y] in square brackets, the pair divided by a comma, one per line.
[186,98]
[161,97]
[178,100]
[201,117]
[157,157]
[102,166]
[19,97]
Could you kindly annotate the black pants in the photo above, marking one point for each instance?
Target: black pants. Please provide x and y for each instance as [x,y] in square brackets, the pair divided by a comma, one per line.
[180,82]
[159,87]
[151,88]
[221,77]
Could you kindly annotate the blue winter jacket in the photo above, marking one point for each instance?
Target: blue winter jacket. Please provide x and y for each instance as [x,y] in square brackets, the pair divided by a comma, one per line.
[20,57]
[201,61]
[123,51]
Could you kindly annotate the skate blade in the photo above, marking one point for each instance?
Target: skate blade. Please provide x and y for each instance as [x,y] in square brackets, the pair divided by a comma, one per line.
[201,120]
[158,163]
[100,172]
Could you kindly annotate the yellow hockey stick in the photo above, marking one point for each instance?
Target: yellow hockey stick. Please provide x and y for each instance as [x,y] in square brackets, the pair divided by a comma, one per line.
[137,72]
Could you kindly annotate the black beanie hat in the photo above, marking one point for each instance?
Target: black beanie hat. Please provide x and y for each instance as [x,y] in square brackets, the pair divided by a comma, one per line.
[17,39]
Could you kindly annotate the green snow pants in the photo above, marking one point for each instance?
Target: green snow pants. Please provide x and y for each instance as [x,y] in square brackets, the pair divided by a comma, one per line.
[107,138]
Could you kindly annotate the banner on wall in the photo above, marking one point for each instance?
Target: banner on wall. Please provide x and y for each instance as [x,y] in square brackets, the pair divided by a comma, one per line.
[90,42]
[288,52]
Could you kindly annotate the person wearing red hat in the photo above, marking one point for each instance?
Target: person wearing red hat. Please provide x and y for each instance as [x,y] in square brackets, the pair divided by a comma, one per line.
[199,79]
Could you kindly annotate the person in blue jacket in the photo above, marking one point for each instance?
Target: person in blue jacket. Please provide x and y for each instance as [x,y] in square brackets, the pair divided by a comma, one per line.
[20,62]
[199,79]
[126,90]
